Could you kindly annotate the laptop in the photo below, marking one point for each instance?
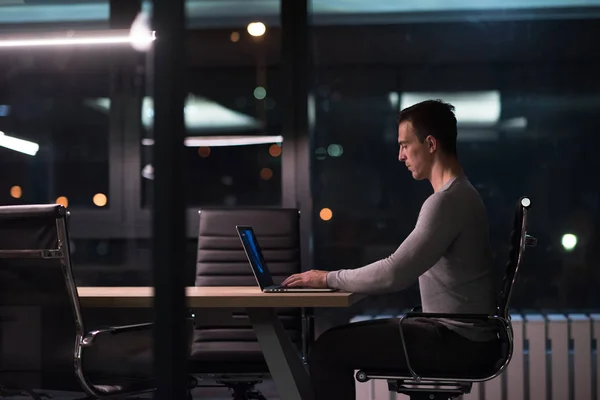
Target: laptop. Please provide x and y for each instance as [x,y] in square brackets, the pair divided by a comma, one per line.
[259,266]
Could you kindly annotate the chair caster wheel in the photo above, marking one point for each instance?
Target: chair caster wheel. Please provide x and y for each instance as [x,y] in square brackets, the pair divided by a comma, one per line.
[361,377]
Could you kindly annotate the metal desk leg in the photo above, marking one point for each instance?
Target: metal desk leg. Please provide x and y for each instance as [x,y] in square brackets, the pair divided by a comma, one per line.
[285,365]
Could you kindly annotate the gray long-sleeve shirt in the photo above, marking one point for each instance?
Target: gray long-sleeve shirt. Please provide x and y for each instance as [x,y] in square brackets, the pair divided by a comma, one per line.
[448,252]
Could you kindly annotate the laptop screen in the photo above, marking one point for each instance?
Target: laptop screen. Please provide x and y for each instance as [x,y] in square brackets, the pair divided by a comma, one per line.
[255,256]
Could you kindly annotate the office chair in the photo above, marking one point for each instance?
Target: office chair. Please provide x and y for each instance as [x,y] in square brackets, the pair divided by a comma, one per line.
[36,279]
[225,347]
[435,384]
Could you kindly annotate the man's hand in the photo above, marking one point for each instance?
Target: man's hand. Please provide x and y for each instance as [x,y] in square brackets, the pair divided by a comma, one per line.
[311,279]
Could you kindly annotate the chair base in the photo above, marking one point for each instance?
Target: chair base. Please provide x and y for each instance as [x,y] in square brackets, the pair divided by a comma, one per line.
[243,390]
[241,385]
[426,391]
[432,396]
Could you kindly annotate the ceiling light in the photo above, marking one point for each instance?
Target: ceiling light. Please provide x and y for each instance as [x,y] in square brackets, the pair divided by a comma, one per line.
[471,108]
[140,32]
[135,38]
[256,28]
[20,145]
[220,141]
[201,115]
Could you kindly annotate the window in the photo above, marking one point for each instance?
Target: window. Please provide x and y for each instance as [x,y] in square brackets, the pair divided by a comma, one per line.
[232,118]
[54,144]
[526,91]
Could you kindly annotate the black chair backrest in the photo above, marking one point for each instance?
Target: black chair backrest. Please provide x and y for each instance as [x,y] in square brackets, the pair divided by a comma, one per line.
[36,278]
[221,261]
[518,242]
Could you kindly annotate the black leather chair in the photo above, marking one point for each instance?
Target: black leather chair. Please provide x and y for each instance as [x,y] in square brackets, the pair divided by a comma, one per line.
[36,277]
[434,384]
[225,348]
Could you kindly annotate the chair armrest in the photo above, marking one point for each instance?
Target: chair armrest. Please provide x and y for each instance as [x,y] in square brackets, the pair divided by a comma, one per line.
[475,317]
[88,340]
[469,317]
[130,328]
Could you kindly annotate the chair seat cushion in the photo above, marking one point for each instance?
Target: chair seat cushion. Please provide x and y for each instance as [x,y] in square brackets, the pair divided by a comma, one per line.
[235,334]
[227,368]
[107,384]
[124,354]
[479,372]
[230,351]
[227,357]
[467,369]
[431,373]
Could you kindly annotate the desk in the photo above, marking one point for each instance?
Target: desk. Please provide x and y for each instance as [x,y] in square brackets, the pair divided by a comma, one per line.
[286,367]
[212,296]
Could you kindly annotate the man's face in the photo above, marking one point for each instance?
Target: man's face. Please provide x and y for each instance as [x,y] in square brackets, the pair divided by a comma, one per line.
[417,156]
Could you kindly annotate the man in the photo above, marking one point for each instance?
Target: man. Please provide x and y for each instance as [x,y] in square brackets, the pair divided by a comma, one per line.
[448,252]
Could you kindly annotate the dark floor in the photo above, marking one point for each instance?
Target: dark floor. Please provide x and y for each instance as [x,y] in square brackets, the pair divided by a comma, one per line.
[267,388]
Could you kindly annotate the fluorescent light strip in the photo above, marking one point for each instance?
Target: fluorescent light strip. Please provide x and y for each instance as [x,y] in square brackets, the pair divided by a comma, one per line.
[131,39]
[20,145]
[480,109]
[197,141]
[222,141]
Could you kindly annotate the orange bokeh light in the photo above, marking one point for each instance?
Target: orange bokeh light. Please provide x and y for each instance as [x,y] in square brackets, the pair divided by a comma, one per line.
[266,174]
[204,151]
[275,150]
[326,214]
[62,200]
[16,192]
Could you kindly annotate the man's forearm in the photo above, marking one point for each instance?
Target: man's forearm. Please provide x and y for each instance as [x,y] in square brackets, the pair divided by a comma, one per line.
[360,280]
[377,278]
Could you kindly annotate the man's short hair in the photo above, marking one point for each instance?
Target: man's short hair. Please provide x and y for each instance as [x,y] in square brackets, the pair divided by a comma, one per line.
[435,118]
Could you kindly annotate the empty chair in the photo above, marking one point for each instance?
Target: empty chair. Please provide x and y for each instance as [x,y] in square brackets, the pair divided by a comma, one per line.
[52,348]
[225,347]
[436,384]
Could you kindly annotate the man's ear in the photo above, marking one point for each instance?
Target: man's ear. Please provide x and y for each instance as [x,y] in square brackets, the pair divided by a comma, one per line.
[431,143]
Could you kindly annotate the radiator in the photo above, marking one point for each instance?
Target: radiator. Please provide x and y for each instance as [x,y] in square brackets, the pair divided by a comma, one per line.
[555,358]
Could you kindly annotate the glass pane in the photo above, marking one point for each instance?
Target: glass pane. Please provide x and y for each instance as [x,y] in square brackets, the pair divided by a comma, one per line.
[232,116]
[526,102]
[45,16]
[54,146]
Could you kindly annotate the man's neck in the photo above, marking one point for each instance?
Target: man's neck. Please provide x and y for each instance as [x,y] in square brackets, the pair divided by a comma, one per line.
[442,173]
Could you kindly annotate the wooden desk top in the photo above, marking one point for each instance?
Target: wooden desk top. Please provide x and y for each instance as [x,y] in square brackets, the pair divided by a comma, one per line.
[210,297]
